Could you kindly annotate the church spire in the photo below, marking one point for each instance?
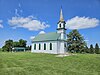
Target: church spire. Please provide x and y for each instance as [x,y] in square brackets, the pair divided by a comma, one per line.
[61,15]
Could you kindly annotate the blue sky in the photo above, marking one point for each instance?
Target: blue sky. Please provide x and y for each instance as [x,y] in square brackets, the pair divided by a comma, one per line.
[22,19]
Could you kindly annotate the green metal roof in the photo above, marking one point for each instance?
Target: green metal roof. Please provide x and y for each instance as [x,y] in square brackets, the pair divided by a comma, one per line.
[47,37]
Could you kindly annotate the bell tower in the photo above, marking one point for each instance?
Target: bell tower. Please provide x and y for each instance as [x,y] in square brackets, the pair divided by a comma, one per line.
[61,26]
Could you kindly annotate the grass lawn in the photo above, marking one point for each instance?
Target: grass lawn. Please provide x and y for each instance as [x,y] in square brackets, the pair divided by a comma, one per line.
[25,63]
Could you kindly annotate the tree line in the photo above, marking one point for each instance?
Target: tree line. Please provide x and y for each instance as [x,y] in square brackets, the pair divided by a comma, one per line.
[76,44]
[9,44]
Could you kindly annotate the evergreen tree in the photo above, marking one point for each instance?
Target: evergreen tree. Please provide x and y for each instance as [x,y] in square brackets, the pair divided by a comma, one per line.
[86,49]
[97,50]
[75,41]
[91,49]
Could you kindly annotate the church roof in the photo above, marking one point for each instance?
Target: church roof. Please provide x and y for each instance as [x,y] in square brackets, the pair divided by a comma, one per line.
[53,36]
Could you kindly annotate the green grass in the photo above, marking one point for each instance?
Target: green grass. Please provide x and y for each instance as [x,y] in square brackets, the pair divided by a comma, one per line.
[21,63]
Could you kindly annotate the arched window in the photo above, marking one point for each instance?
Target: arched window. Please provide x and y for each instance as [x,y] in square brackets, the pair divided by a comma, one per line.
[64,25]
[50,46]
[34,46]
[39,46]
[64,44]
[44,46]
[60,25]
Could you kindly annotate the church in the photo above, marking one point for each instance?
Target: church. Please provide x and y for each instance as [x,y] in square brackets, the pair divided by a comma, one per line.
[53,42]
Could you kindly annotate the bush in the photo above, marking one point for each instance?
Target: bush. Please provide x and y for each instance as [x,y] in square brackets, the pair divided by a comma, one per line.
[0,49]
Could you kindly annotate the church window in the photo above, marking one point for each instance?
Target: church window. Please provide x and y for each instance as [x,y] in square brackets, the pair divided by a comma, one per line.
[39,46]
[65,44]
[50,46]
[34,46]
[60,25]
[44,46]
[64,25]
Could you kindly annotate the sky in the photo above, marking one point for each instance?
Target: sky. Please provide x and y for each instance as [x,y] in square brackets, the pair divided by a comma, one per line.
[24,19]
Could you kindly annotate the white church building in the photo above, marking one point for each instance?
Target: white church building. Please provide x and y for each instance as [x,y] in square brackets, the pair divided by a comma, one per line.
[53,42]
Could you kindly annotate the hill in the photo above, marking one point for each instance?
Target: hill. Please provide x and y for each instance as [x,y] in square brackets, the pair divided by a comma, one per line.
[25,63]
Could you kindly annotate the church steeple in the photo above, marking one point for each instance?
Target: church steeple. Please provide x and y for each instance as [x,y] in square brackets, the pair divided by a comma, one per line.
[61,26]
[61,23]
[61,15]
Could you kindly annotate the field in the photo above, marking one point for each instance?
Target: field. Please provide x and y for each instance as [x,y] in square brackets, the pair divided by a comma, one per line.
[26,63]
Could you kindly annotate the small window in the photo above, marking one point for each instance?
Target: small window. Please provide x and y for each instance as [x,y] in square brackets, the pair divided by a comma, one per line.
[34,46]
[50,46]
[60,25]
[64,25]
[44,46]
[39,46]
[65,44]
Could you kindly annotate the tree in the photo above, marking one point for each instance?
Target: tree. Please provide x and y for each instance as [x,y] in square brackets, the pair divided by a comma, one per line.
[8,45]
[28,48]
[91,49]
[86,49]
[15,44]
[0,49]
[22,43]
[97,50]
[75,41]
[4,48]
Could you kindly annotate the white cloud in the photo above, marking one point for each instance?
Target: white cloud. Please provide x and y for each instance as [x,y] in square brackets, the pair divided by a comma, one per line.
[27,22]
[19,5]
[82,22]
[32,37]
[41,32]
[1,25]
[16,12]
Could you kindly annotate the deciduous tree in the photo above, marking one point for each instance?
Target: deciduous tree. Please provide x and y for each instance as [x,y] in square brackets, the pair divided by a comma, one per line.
[8,45]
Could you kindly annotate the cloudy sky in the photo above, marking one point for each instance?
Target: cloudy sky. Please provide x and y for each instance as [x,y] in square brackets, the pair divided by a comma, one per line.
[24,19]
